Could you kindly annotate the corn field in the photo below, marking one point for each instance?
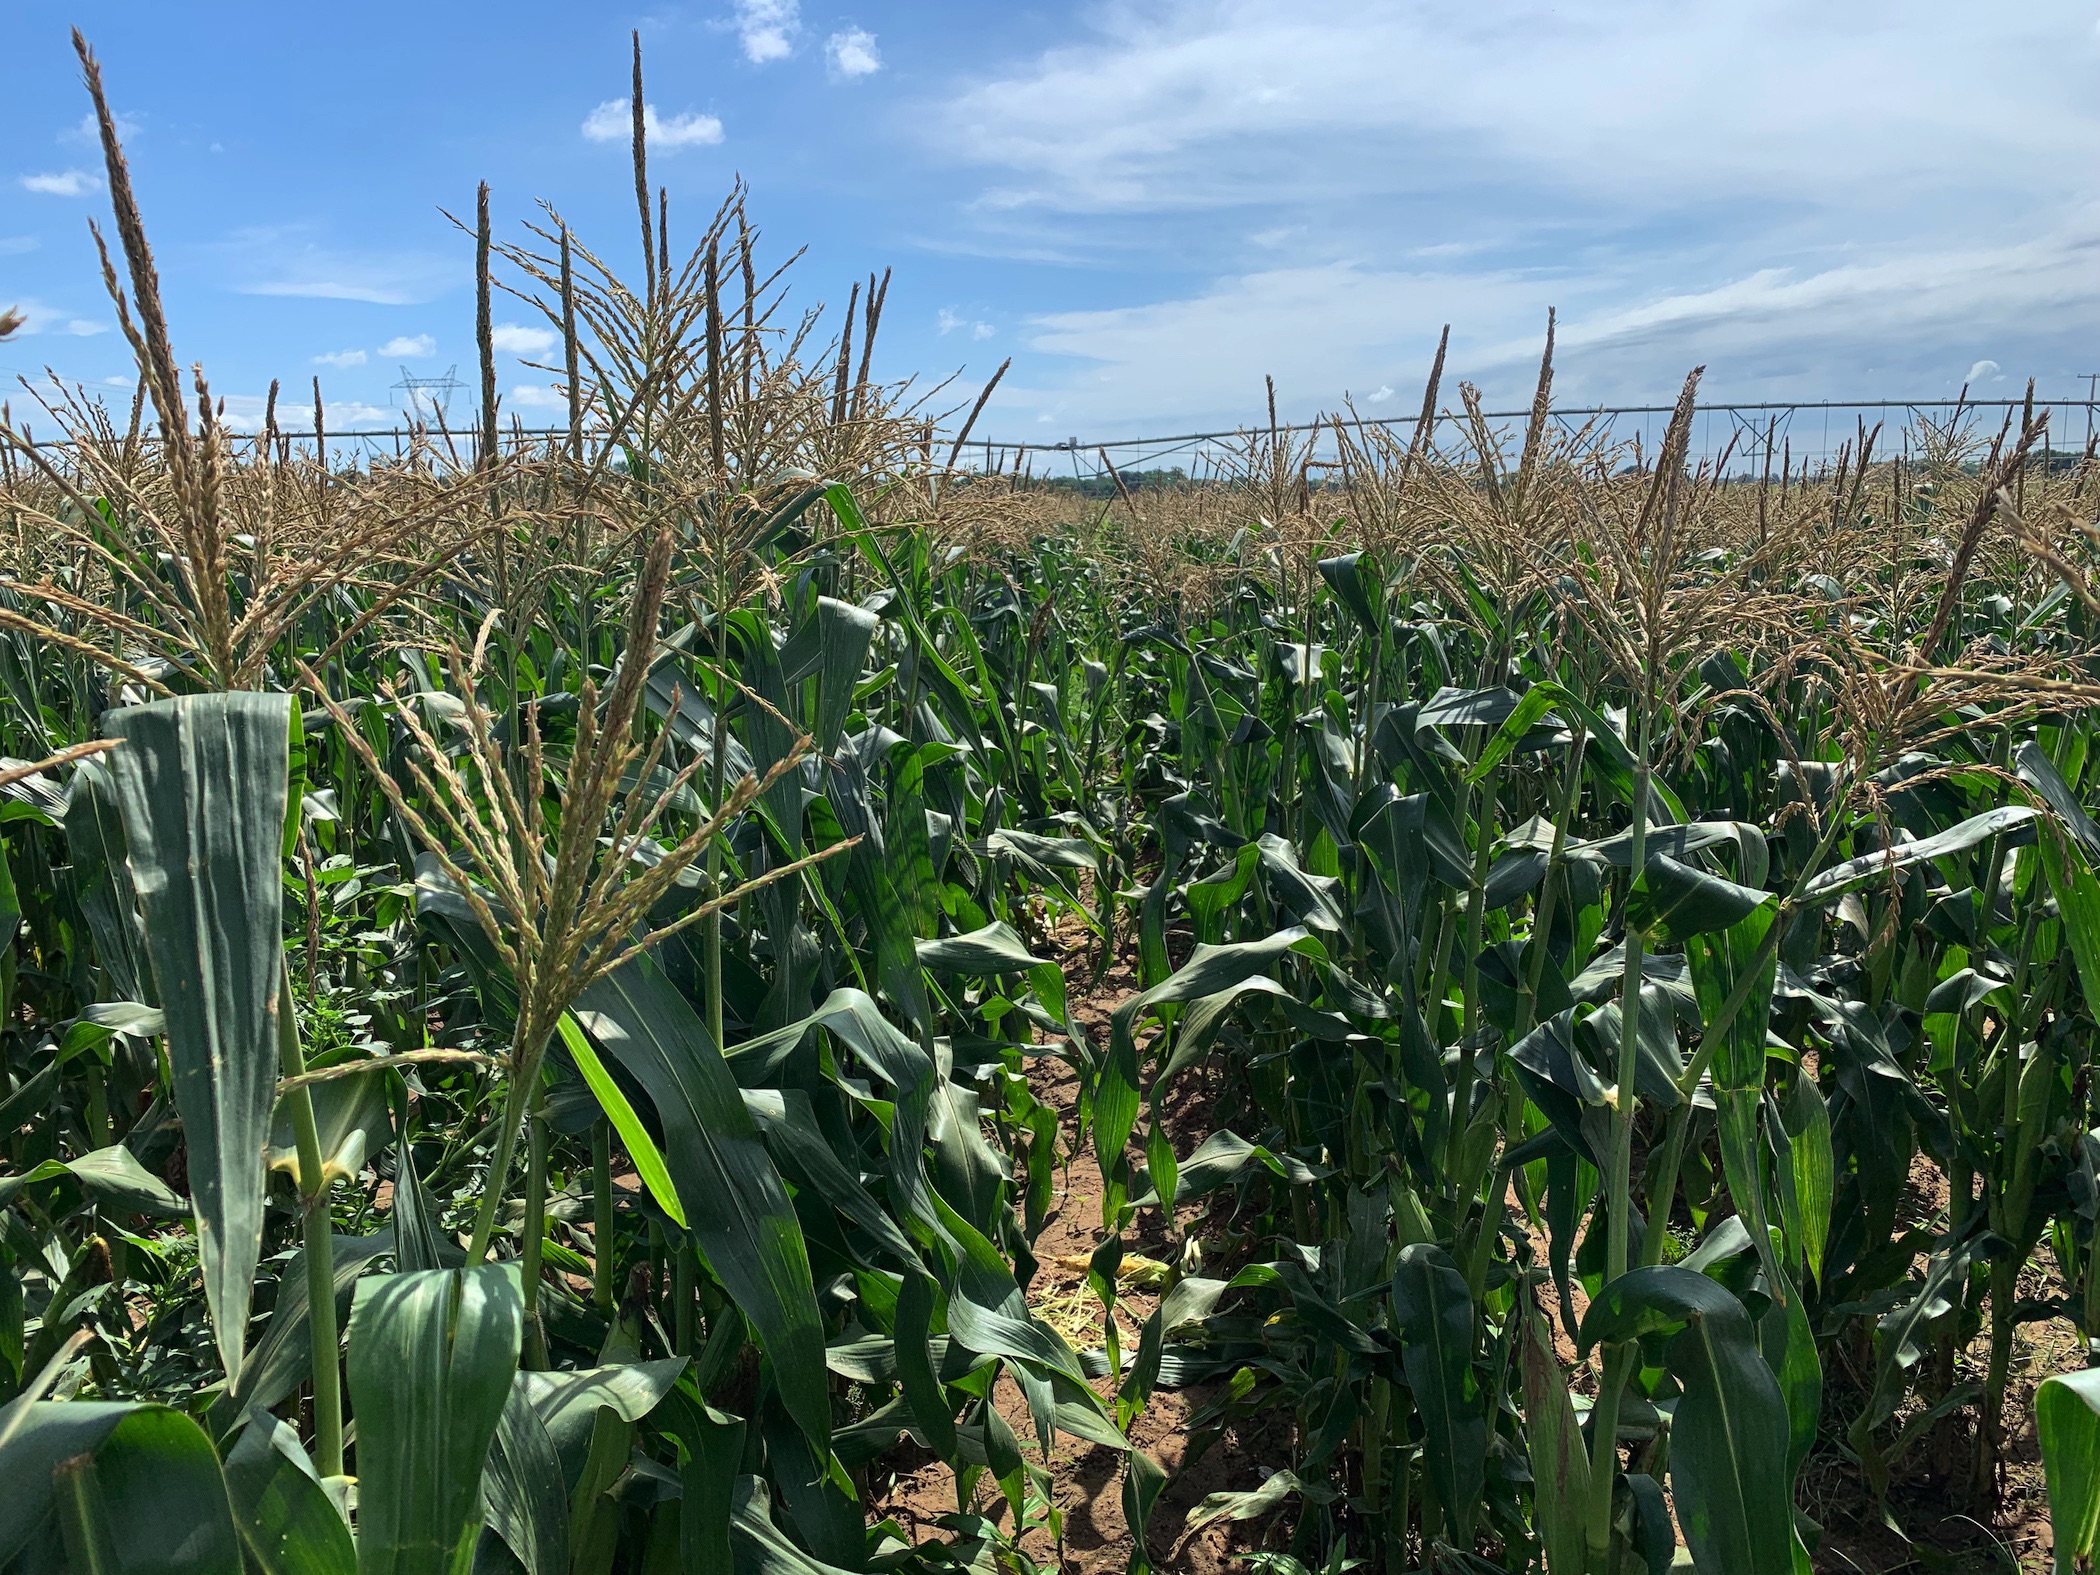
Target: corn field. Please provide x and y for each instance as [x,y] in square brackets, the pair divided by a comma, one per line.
[543,986]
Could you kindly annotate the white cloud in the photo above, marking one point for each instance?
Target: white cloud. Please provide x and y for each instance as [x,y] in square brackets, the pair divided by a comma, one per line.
[87,130]
[16,245]
[948,320]
[1385,392]
[288,260]
[341,359]
[40,317]
[512,339]
[63,183]
[244,413]
[1885,326]
[1687,183]
[537,396]
[767,28]
[1980,371]
[413,346]
[613,121]
[852,53]
[1197,103]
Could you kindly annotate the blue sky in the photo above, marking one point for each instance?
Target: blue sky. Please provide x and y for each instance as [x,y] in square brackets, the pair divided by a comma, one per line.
[1147,203]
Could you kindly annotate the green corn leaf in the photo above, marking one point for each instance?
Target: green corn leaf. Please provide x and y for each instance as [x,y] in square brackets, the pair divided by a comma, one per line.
[110,1176]
[844,632]
[1209,971]
[1789,1344]
[1815,1169]
[1433,1315]
[2067,1421]
[1718,963]
[2077,896]
[995,949]
[735,1202]
[568,1403]
[712,1454]
[102,879]
[1529,713]
[432,1356]
[915,1368]
[1251,1504]
[1672,901]
[288,1523]
[145,1483]
[203,785]
[1834,882]
[641,1147]
[1560,1465]
[2039,772]
[413,1218]
[1729,1441]
[522,1484]
[1354,578]
[282,1358]
[1143,1482]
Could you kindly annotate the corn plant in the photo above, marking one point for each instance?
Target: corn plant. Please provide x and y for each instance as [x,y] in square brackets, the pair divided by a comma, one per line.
[529,971]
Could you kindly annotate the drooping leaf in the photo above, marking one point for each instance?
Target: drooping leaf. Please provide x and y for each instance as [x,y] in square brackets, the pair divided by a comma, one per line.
[1672,901]
[288,1523]
[151,1491]
[995,949]
[735,1203]
[1728,1444]
[203,783]
[1834,882]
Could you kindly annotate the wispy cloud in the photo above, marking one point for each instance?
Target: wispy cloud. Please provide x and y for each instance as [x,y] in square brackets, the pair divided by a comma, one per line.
[290,260]
[537,396]
[767,29]
[245,412]
[1688,184]
[1213,102]
[17,245]
[949,320]
[512,339]
[85,129]
[342,360]
[613,121]
[40,317]
[63,183]
[852,53]
[411,346]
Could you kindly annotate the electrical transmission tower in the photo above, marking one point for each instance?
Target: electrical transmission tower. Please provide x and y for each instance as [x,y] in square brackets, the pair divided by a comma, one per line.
[428,395]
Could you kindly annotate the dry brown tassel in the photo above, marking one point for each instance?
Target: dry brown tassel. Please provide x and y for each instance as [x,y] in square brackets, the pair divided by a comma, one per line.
[569,352]
[838,392]
[641,172]
[484,329]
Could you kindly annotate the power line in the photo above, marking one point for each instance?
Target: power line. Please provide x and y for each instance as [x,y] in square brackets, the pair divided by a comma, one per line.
[1583,412]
